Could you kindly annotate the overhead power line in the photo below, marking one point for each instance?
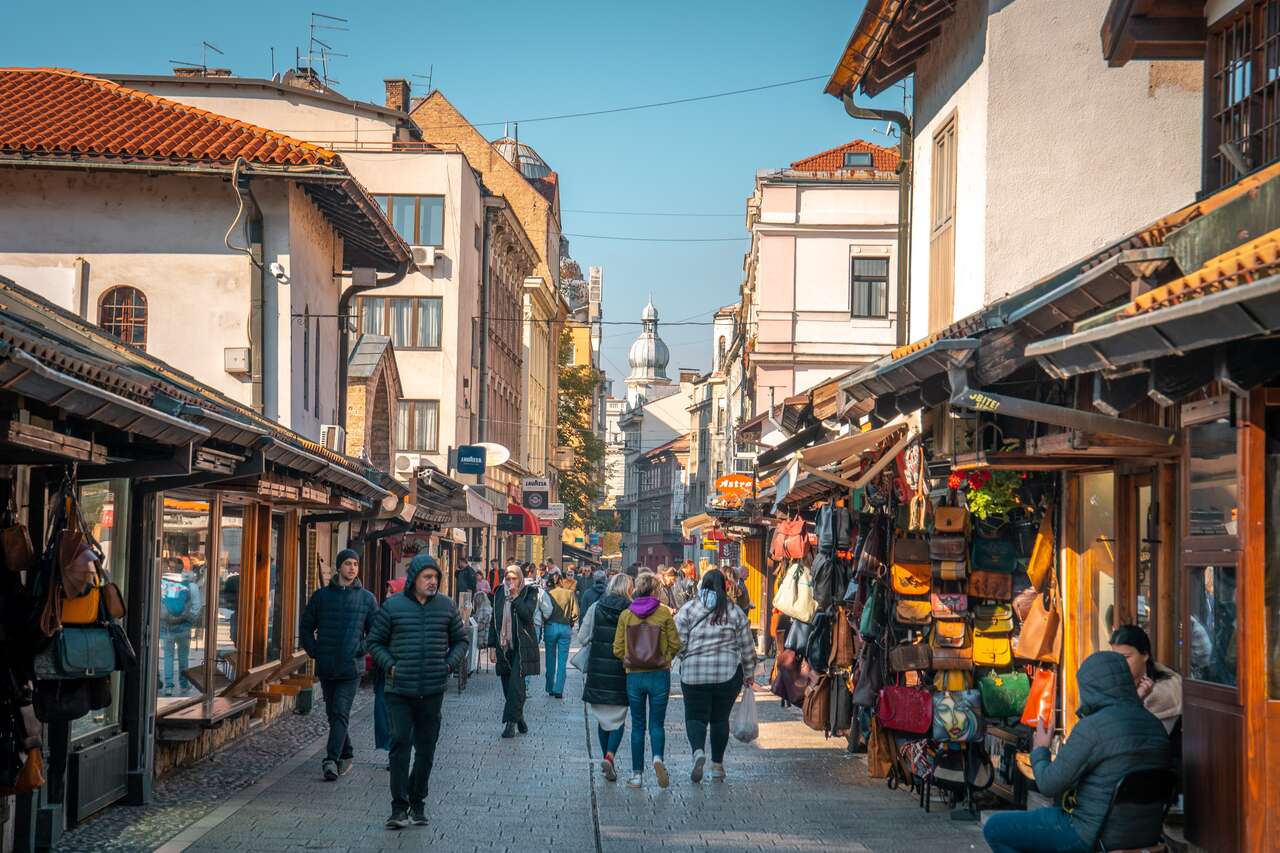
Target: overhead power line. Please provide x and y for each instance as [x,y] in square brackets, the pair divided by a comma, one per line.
[659,239]
[612,110]
[644,213]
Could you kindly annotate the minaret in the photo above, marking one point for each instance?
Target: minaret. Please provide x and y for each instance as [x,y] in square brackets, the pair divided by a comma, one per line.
[648,359]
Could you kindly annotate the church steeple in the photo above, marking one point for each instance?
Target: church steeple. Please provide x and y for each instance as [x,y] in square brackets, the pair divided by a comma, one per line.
[648,358]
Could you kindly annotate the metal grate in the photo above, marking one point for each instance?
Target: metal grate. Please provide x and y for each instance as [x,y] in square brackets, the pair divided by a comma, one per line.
[123,313]
[1245,86]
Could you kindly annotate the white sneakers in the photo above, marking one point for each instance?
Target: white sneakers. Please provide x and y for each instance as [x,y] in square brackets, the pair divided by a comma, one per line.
[635,781]
[664,778]
[699,759]
[717,772]
[660,770]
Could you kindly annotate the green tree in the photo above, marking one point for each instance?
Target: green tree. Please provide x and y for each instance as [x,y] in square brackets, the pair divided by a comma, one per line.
[581,485]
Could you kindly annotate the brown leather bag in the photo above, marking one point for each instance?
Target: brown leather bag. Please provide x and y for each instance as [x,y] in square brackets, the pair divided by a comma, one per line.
[1041,560]
[880,751]
[954,548]
[997,586]
[1040,637]
[912,611]
[911,550]
[951,519]
[910,656]
[817,704]
[952,659]
[16,549]
[644,647]
[844,643]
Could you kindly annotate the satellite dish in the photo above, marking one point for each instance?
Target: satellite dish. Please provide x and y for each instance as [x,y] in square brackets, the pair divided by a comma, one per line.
[494,454]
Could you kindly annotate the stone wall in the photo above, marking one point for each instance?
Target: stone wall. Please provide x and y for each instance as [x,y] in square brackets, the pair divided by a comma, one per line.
[173,754]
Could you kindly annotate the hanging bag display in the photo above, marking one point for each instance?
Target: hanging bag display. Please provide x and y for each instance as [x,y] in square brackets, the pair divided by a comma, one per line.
[910,656]
[951,519]
[957,716]
[910,572]
[913,611]
[1041,698]
[996,586]
[1040,637]
[951,646]
[949,605]
[905,709]
[795,594]
[871,624]
[816,707]
[1041,560]
[1004,694]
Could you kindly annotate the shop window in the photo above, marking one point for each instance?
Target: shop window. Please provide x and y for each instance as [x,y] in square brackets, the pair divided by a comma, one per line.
[105,506]
[275,587]
[230,550]
[1211,598]
[183,594]
[122,312]
[1098,556]
[1212,489]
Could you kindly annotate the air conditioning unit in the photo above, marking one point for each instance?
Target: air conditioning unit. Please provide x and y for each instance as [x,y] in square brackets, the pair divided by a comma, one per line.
[424,256]
[333,437]
[406,464]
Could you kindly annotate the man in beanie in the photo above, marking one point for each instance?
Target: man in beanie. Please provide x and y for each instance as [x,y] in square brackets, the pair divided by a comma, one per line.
[417,639]
[333,628]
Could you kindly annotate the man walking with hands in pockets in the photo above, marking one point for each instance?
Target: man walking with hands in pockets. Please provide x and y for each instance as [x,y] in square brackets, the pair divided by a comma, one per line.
[417,639]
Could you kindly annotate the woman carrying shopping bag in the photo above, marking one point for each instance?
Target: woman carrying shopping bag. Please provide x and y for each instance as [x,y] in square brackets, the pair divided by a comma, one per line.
[605,691]
[646,642]
[718,661]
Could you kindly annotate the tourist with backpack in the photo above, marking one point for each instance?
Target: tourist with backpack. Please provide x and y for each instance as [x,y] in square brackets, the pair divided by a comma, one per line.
[717,662]
[332,630]
[180,609]
[646,642]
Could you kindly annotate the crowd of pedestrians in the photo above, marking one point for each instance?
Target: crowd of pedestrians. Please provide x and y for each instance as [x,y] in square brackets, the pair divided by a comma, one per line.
[633,627]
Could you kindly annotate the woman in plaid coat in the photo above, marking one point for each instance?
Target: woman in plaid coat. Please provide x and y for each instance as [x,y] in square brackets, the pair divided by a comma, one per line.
[718,659]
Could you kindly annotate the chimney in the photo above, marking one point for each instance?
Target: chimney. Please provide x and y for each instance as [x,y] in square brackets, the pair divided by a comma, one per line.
[397,95]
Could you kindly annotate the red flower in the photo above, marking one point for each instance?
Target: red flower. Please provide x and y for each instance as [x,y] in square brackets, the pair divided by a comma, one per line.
[956,481]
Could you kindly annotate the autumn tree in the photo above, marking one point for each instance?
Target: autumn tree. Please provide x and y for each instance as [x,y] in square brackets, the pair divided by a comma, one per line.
[582,483]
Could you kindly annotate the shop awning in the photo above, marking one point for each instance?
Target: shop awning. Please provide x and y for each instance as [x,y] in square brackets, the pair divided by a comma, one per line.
[1233,296]
[532,526]
[846,447]
[804,482]
[478,510]
[694,523]
[907,370]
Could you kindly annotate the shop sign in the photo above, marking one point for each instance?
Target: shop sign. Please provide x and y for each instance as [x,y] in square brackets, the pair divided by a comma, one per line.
[734,485]
[710,545]
[510,522]
[536,493]
[471,459]
[553,512]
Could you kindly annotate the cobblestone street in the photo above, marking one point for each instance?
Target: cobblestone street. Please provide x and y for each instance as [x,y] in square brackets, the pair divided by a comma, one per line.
[789,791]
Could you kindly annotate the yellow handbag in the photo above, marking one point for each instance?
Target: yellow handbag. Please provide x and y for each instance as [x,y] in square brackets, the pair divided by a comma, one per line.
[1042,551]
[992,649]
[83,609]
[911,578]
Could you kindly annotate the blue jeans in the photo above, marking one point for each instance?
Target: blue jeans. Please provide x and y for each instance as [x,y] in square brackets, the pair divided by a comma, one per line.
[656,688]
[381,720]
[339,693]
[557,655]
[1045,830]
[610,740]
[175,644]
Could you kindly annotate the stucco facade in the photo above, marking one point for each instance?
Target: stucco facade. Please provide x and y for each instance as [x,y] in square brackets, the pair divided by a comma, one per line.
[1043,129]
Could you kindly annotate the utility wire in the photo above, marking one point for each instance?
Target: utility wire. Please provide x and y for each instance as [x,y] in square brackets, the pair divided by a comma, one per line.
[659,239]
[644,213]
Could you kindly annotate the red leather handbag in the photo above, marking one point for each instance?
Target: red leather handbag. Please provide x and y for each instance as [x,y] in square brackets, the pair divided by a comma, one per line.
[905,709]
[1041,699]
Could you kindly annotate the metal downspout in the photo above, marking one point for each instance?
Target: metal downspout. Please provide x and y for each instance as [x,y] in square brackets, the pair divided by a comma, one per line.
[344,326]
[257,323]
[483,390]
[906,144]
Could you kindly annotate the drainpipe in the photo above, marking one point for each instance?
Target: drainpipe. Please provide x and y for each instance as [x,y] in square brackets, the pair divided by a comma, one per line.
[254,249]
[483,408]
[361,282]
[905,146]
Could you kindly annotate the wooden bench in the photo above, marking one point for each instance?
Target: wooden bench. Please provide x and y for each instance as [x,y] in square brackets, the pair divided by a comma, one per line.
[187,723]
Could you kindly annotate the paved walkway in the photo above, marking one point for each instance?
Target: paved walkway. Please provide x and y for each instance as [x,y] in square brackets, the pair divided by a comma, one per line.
[790,791]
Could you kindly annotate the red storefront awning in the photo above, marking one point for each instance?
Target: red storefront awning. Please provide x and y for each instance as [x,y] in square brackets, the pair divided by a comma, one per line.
[531,525]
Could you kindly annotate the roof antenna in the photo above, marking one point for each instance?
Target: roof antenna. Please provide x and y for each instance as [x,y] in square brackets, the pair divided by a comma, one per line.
[428,77]
[325,51]
[203,65]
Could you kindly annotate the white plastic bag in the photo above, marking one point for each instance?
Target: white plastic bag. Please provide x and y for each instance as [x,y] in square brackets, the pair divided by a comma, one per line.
[743,722]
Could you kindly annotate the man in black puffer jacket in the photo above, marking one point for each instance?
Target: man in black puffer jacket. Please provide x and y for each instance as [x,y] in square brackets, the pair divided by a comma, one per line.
[417,639]
[333,628]
[593,592]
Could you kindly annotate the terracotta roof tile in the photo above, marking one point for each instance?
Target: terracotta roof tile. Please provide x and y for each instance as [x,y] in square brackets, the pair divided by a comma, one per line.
[59,112]
[1244,264]
[882,159]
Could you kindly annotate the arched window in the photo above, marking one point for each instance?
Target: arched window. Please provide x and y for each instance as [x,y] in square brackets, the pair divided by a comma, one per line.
[122,312]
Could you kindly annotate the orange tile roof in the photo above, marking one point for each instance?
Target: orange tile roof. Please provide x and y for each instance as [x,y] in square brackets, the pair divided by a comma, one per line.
[59,112]
[1244,264]
[832,160]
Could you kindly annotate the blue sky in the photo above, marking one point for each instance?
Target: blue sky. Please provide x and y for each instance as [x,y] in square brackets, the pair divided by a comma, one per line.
[500,60]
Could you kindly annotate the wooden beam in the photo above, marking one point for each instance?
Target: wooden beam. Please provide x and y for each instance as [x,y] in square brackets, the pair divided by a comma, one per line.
[1166,556]
[1114,397]
[47,441]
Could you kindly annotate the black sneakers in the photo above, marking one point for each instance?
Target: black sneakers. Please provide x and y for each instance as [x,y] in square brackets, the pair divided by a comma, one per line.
[522,726]
[419,817]
[330,770]
[509,730]
[399,820]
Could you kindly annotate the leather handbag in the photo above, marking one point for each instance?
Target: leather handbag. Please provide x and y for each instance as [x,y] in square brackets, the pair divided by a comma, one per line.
[957,716]
[1039,639]
[795,594]
[78,652]
[996,586]
[871,625]
[822,580]
[907,550]
[871,558]
[950,634]
[905,709]
[909,656]
[798,636]
[1022,602]
[844,643]
[950,570]
[945,680]
[817,649]
[953,659]
[951,519]
[992,650]
[870,675]
[911,578]
[1041,698]
[1004,694]
[788,683]
[83,609]
[952,548]
[913,611]
[789,541]
[994,555]
[816,705]
[16,549]
[951,646]
[1041,560]
[880,751]
[993,619]
[30,777]
[949,605]
[644,647]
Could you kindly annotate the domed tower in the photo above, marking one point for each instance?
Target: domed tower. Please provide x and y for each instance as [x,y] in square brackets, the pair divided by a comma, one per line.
[648,359]
[530,164]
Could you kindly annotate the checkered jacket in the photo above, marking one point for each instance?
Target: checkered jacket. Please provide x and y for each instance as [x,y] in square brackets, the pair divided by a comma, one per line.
[712,652]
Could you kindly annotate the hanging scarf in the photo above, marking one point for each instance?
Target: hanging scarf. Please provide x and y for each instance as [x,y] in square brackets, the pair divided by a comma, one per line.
[504,633]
